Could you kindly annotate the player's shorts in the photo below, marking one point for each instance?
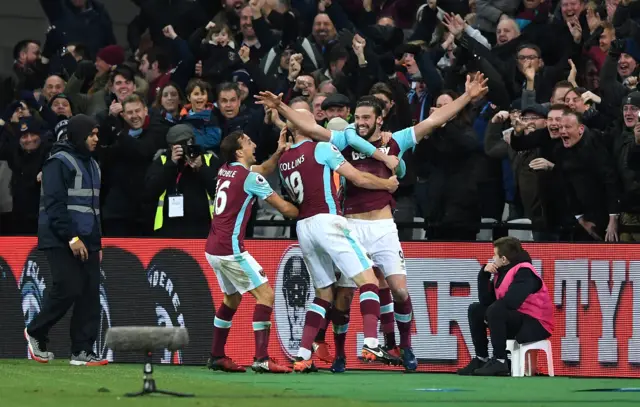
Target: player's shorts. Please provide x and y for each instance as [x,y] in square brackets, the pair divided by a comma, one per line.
[326,240]
[237,273]
[380,240]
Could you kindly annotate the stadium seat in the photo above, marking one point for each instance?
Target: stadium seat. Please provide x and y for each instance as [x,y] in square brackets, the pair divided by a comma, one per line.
[419,234]
[522,235]
[519,351]
[486,235]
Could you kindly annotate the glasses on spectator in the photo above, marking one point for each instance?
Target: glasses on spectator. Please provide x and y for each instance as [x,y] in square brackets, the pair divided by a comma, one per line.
[529,118]
[527,57]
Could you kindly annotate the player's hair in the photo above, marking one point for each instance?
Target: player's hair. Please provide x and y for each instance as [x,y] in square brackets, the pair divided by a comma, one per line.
[230,145]
[371,101]
[509,247]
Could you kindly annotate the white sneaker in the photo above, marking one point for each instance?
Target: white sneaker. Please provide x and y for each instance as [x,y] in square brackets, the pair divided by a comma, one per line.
[37,349]
[87,359]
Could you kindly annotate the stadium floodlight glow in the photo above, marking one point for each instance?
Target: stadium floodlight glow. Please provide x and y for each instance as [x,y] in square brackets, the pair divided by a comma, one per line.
[147,339]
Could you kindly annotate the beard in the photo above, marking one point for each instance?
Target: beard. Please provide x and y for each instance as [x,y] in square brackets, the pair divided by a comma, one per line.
[369,133]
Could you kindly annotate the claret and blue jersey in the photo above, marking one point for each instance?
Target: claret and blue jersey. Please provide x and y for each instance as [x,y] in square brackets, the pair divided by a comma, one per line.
[306,171]
[236,192]
[358,152]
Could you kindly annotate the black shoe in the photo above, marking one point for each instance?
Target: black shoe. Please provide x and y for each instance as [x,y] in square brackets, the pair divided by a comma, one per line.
[471,367]
[493,368]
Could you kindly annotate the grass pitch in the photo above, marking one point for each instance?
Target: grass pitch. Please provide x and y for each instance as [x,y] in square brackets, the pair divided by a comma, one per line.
[26,383]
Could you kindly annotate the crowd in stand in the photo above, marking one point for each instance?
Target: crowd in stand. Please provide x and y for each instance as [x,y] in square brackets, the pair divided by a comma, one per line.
[556,140]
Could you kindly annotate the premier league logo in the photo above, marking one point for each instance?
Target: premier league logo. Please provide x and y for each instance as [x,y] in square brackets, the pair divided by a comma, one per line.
[293,295]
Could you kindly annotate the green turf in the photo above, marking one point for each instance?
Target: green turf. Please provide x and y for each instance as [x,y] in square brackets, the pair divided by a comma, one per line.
[25,383]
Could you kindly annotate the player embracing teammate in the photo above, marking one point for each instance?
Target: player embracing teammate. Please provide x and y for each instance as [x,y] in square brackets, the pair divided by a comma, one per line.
[369,229]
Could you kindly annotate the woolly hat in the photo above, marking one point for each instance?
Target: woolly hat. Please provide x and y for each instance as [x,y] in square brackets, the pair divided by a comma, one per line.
[111,54]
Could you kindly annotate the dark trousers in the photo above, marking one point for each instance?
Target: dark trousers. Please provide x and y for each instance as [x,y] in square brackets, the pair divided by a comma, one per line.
[503,324]
[74,283]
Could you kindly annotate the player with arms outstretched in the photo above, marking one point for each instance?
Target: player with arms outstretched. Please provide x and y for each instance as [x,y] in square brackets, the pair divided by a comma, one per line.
[240,183]
[326,239]
[369,212]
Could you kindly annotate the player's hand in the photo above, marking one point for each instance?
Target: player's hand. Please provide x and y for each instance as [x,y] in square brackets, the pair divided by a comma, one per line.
[79,250]
[282,141]
[268,99]
[386,137]
[391,161]
[393,184]
[176,153]
[491,268]
[39,177]
[476,87]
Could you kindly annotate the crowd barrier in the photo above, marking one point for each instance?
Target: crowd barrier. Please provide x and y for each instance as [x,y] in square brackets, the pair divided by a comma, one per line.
[596,290]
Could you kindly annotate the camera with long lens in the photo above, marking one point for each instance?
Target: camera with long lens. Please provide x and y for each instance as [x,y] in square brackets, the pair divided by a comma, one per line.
[192,151]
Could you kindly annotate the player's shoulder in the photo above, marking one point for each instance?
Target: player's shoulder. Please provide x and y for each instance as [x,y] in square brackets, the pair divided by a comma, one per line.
[323,147]
[255,178]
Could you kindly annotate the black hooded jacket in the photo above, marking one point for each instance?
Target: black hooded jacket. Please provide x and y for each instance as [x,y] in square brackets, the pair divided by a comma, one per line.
[525,283]
[56,180]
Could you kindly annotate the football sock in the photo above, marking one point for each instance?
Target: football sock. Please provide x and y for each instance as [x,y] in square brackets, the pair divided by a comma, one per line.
[386,317]
[221,327]
[313,320]
[403,315]
[261,329]
[370,309]
[322,332]
[340,320]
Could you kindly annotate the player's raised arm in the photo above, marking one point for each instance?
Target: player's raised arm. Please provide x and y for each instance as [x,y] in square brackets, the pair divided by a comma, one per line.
[308,126]
[474,88]
[267,167]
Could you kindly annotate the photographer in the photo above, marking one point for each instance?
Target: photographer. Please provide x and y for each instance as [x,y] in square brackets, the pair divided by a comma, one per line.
[182,180]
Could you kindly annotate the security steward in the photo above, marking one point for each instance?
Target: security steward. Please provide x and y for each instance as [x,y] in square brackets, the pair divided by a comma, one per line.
[70,236]
[182,180]
[513,302]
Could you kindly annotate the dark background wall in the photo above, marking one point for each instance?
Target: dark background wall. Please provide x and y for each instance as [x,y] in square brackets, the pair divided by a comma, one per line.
[21,19]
